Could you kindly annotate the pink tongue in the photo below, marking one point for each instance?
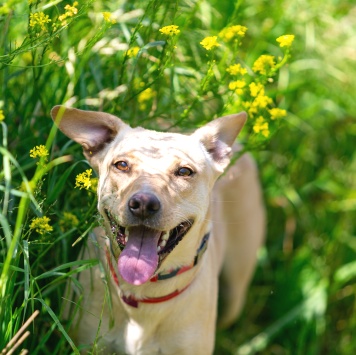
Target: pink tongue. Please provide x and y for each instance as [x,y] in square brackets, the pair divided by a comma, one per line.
[139,259]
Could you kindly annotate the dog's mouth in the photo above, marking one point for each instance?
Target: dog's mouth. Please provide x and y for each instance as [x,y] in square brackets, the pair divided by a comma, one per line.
[143,249]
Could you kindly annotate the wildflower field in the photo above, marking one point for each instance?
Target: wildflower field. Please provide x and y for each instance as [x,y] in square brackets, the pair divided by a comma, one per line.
[175,65]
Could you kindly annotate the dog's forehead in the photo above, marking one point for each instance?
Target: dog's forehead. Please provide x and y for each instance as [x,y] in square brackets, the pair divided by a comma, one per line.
[149,143]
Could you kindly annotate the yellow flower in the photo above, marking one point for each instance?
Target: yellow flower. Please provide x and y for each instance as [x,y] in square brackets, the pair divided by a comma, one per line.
[132,52]
[41,225]
[256,89]
[238,86]
[144,96]
[70,12]
[210,42]
[94,184]
[261,126]
[229,33]
[68,221]
[39,19]
[83,180]
[236,69]
[39,151]
[264,64]
[262,101]
[251,109]
[285,40]
[2,116]
[170,30]
[107,17]
[277,113]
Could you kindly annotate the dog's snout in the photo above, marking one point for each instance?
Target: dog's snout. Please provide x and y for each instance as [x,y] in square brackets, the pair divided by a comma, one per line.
[144,205]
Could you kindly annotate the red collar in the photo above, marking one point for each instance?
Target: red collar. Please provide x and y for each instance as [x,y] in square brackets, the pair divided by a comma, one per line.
[134,302]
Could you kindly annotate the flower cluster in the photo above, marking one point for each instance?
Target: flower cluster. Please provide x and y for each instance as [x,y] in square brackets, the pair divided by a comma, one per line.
[261,126]
[39,151]
[250,89]
[237,86]
[107,17]
[83,180]
[285,40]
[146,95]
[264,64]
[259,100]
[277,113]
[132,52]
[171,30]
[68,221]
[210,42]
[236,69]
[70,12]
[2,116]
[41,225]
[39,20]
[256,89]
[233,33]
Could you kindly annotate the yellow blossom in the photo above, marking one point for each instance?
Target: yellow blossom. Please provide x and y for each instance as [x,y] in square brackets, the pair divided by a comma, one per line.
[132,52]
[264,64]
[237,86]
[251,109]
[94,184]
[285,40]
[68,221]
[236,69]
[277,113]
[145,96]
[39,151]
[39,19]
[262,101]
[210,42]
[138,84]
[83,180]
[256,89]
[70,12]
[107,17]
[41,225]
[261,126]
[170,30]
[2,116]
[229,33]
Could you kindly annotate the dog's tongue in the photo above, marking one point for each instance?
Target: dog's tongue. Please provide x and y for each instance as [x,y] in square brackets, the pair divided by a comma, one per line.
[139,259]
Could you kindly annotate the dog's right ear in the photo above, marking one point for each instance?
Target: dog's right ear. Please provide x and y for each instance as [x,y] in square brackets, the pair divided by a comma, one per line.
[92,130]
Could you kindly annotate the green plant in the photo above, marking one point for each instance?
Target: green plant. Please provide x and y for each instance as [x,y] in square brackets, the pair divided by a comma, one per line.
[122,58]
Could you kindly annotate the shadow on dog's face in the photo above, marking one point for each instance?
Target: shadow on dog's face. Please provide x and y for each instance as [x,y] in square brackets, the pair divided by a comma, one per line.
[154,187]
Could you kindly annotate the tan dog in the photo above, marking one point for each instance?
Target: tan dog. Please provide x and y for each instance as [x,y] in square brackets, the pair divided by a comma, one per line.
[169,228]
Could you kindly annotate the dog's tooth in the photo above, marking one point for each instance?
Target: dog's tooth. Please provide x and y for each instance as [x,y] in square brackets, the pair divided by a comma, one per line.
[126,239]
[165,236]
[163,243]
[159,248]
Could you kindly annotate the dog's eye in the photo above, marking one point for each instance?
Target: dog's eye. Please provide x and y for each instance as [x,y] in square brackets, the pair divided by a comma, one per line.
[184,171]
[122,165]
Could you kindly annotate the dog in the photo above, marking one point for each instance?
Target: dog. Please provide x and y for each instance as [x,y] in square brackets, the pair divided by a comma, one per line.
[170,227]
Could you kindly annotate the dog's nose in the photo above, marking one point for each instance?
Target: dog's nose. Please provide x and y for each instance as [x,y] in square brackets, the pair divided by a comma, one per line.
[144,204]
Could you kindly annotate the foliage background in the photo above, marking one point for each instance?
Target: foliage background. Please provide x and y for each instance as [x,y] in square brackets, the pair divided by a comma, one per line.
[302,299]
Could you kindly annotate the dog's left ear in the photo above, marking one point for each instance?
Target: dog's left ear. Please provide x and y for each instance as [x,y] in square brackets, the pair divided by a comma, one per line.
[219,135]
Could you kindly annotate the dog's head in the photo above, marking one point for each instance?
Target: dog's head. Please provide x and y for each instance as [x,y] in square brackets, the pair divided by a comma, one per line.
[154,187]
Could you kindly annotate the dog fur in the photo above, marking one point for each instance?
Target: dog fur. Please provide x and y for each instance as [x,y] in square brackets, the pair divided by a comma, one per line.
[150,182]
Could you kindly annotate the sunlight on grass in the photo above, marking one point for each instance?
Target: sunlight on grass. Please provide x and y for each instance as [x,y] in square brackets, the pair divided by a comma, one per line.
[177,65]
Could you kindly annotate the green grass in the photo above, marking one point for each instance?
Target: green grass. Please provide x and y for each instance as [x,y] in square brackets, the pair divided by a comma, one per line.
[302,298]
